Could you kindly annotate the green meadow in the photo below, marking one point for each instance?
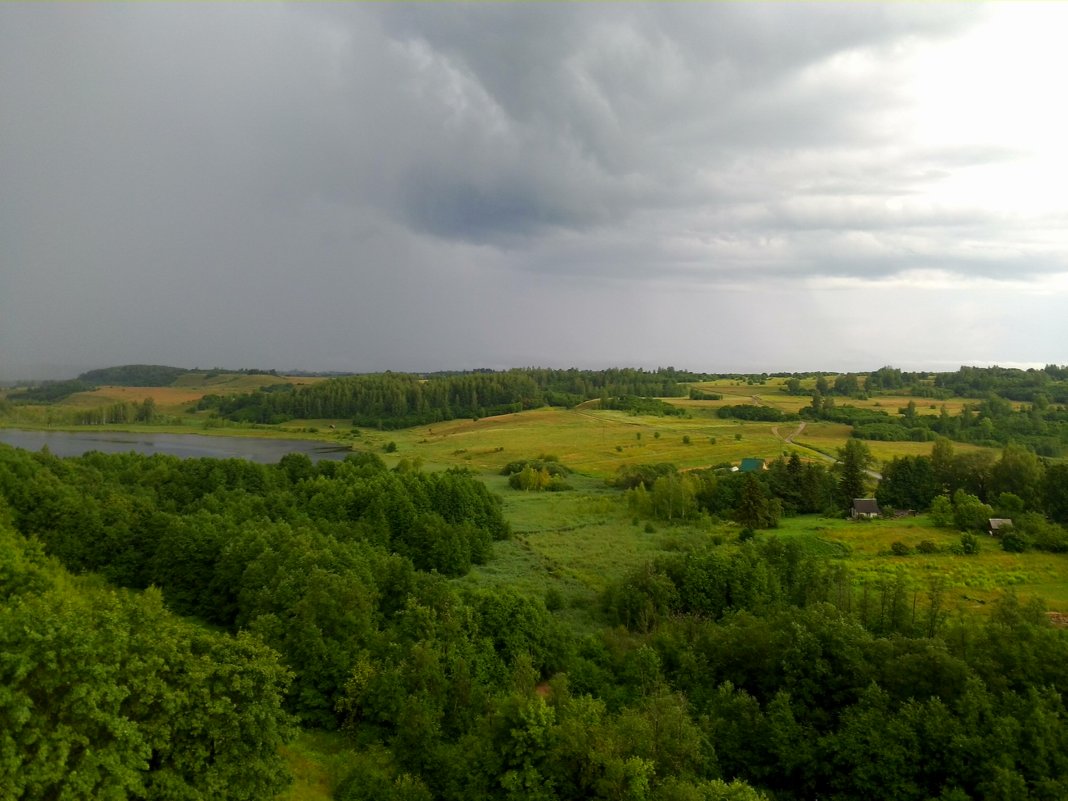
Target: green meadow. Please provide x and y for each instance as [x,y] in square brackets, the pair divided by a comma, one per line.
[591,442]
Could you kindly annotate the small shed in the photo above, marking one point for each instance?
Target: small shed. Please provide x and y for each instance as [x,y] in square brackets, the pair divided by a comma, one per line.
[998,525]
[752,465]
[864,508]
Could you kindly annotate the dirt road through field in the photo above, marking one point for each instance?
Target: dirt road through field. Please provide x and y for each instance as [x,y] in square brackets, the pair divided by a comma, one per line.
[789,438]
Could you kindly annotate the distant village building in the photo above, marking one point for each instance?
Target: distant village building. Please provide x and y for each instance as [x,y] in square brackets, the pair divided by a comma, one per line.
[865,508]
[752,465]
[998,525]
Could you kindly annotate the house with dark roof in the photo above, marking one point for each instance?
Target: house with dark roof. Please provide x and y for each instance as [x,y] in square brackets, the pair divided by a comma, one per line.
[752,465]
[998,525]
[864,508]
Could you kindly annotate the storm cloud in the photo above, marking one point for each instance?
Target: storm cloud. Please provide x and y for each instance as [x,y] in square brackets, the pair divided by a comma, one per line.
[430,186]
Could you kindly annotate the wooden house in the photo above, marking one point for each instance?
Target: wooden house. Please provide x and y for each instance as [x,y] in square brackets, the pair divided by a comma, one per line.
[864,508]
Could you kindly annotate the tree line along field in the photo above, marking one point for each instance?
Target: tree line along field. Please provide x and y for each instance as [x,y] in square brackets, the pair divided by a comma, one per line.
[587,642]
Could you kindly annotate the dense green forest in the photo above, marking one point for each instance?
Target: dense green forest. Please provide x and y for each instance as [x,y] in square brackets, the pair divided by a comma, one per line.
[319,595]
[751,412]
[400,400]
[1014,384]
[108,694]
[967,382]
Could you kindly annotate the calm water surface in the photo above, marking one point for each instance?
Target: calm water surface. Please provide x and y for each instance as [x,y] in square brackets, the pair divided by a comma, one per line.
[265,451]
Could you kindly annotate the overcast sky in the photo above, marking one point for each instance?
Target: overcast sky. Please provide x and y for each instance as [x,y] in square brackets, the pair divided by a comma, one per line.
[716,186]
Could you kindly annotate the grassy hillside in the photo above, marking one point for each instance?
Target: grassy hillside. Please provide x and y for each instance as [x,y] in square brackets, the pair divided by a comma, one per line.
[592,442]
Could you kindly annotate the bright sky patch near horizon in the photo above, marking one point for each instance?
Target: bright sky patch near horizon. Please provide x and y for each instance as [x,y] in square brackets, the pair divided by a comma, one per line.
[721,186]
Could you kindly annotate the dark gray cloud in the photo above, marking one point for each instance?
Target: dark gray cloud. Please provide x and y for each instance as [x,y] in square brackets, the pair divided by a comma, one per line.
[411,186]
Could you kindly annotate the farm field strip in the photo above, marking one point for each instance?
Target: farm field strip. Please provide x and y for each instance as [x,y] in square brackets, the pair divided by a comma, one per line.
[772,394]
[591,443]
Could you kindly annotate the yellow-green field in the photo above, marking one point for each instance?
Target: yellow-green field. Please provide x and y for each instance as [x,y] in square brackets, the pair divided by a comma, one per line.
[186,390]
[772,394]
[594,443]
[167,398]
[597,443]
[828,437]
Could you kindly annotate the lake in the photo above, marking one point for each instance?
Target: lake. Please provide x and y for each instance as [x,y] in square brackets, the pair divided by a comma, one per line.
[264,451]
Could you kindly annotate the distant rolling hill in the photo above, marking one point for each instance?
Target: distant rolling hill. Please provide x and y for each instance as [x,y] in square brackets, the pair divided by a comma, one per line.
[133,375]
